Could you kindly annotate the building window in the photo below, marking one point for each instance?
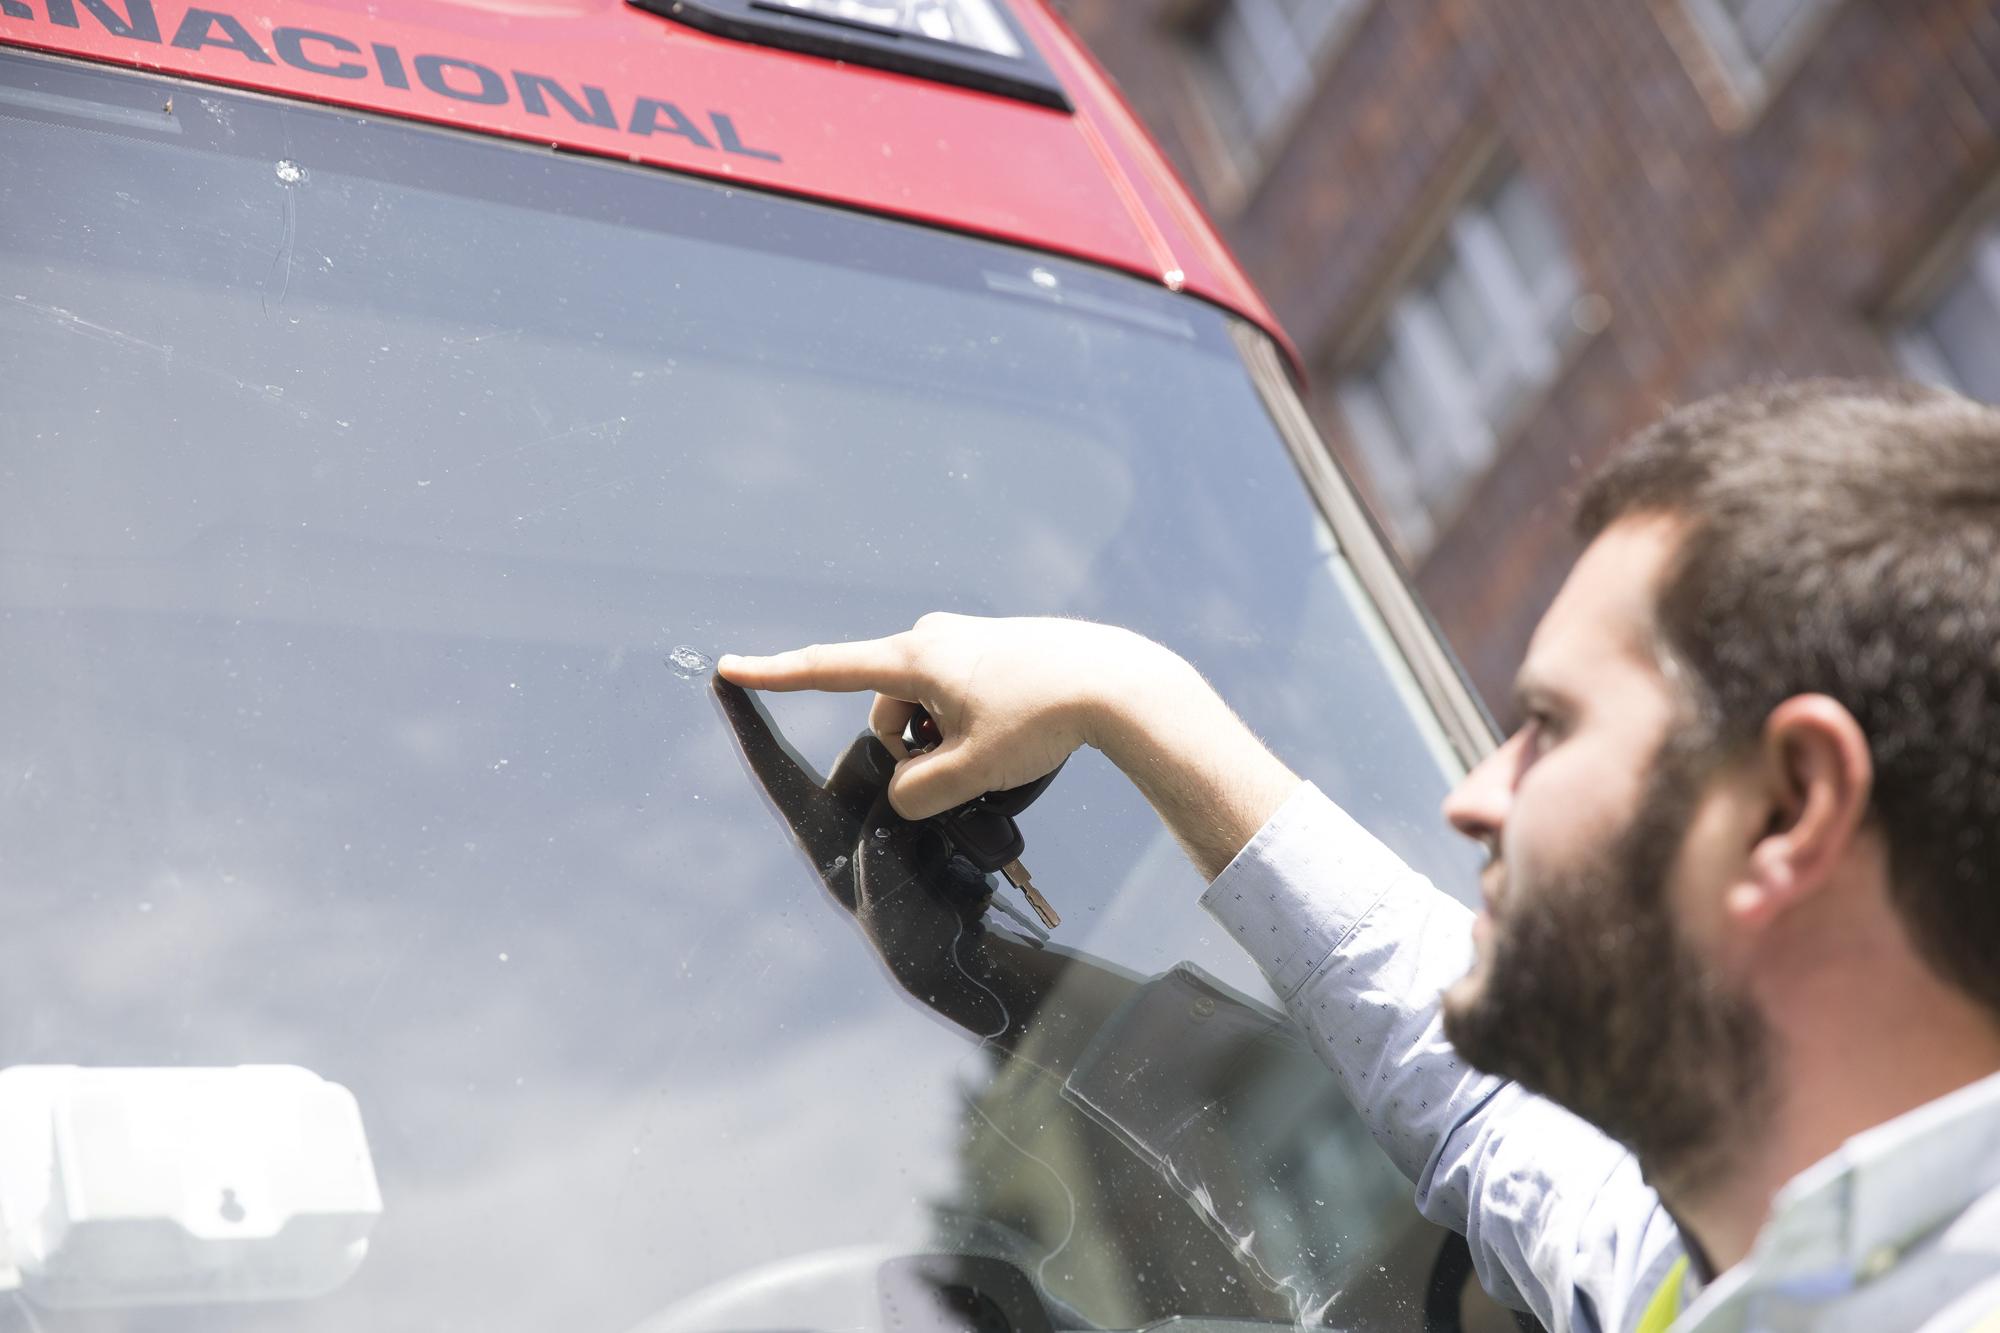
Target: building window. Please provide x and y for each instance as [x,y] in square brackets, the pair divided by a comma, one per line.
[1955,340]
[1757,41]
[1463,349]
[1259,60]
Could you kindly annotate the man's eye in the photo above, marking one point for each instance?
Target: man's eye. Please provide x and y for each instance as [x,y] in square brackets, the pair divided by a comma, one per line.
[1541,733]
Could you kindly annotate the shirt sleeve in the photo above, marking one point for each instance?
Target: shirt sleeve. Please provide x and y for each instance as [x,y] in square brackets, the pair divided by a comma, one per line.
[1359,948]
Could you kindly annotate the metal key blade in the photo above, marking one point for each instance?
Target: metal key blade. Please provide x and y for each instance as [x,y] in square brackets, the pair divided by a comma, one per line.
[1020,918]
[1017,875]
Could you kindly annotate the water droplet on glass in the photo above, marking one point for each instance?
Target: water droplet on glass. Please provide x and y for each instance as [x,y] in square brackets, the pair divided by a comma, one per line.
[882,832]
[839,862]
[687,662]
[290,172]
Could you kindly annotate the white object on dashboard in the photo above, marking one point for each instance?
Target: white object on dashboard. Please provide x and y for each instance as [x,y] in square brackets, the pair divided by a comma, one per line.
[169,1186]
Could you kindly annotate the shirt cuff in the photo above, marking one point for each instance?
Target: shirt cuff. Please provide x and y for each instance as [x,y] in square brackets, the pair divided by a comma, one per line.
[1300,885]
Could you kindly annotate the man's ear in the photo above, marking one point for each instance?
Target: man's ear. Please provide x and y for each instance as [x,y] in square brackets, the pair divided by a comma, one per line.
[1816,777]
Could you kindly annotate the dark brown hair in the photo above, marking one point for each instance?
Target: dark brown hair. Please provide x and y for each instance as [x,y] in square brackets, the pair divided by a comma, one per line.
[1843,538]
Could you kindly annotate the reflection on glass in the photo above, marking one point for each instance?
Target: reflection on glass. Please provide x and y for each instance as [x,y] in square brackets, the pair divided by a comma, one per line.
[353,531]
[1205,1088]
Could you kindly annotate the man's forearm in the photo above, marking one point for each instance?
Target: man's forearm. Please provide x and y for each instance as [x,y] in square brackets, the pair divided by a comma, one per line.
[1213,783]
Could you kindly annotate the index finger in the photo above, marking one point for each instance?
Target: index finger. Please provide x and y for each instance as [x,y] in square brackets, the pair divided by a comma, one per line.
[881,665]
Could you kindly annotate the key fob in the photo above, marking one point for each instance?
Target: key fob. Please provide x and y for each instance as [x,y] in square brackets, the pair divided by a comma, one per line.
[982,836]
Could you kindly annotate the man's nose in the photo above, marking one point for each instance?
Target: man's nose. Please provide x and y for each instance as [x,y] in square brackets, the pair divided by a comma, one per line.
[1477,806]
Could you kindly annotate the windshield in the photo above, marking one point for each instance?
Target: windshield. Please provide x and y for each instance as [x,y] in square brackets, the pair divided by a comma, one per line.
[374,498]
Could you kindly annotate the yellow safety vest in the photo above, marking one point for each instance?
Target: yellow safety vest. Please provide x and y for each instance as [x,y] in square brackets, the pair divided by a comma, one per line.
[1665,1307]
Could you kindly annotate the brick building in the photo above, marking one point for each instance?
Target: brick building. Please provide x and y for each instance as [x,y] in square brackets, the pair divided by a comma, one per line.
[1506,233]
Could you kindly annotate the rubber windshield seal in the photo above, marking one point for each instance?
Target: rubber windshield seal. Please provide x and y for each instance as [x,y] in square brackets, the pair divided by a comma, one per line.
[1468,727]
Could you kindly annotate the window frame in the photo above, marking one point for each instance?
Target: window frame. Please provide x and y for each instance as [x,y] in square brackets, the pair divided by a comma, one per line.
[1971,256]
[1735,82]
[1421,479]
[1236,156]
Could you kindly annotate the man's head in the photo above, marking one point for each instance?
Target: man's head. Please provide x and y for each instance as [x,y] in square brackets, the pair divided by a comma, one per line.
[1772,679]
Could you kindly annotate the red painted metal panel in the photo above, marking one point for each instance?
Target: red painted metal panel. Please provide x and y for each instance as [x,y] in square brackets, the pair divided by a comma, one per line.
[599,76]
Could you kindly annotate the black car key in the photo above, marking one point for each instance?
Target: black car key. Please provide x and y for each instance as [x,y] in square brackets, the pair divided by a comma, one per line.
[983,830]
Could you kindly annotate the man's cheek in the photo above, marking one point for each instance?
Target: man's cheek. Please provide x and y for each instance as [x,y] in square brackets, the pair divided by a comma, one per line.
[1538,862]
[1564,826]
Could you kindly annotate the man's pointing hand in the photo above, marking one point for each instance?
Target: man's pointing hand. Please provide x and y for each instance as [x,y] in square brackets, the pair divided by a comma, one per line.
[1011,698]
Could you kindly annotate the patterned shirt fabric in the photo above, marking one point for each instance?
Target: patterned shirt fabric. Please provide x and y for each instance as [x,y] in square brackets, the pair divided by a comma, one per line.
[1899,1229]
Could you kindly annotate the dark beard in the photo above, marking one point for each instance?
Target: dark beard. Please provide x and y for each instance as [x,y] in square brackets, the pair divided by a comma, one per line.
[1593,999]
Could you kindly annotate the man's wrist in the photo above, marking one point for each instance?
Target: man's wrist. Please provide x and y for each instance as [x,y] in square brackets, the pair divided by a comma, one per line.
[1135,706]
[1206,774]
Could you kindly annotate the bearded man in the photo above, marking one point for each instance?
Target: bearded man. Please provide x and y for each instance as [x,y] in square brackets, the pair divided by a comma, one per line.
[1720,1051]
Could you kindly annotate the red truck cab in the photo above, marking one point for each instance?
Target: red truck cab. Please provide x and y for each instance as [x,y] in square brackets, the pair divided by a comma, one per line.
[402,410]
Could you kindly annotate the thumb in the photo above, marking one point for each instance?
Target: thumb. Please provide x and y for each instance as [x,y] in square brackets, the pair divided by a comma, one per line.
[932,783]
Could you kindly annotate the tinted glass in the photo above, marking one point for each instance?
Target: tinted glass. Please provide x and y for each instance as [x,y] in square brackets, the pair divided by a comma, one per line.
[361,483]
[1765,23]
[1532,235]
[1965,323]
